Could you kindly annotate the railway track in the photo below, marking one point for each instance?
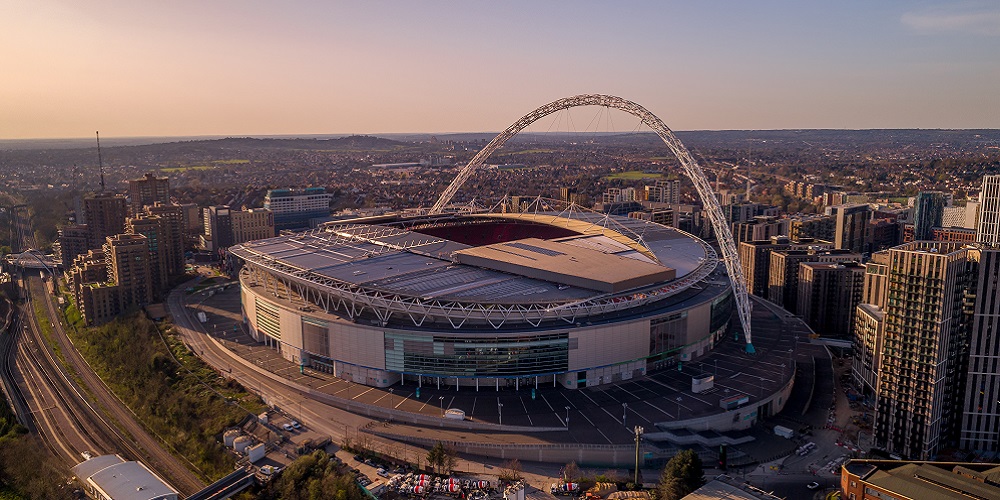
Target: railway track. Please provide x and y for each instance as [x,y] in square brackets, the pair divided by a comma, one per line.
[131,437]
[69,418]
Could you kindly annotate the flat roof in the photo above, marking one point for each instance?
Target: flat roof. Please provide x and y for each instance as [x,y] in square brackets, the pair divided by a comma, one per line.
[726,488]
[566,264]
[926,480]
[123,480]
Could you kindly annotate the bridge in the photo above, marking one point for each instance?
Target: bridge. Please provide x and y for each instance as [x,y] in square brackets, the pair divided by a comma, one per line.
[31,259]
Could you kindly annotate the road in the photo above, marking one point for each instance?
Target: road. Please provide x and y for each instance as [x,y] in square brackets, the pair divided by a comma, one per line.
[316,416]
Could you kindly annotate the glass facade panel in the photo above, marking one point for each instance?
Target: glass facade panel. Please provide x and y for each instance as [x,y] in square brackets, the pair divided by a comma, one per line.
[477,356]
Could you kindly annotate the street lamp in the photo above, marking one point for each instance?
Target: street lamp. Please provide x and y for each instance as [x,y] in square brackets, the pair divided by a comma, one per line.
[638,432]
[500,411]
[624,413]
[390,398]
[679,407]
[567,417]
[441,400]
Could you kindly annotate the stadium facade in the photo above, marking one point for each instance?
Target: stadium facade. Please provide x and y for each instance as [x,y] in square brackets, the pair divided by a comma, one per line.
[570,299]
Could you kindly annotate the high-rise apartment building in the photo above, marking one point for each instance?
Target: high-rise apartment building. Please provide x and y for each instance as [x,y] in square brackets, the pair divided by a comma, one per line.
[95,296]
[988,231]
[921,372]
[252,224]
[852,226]
[981,417]
[172,235]
[828,294]
[869,323]
[928,213]
[783,276]
[759,229]
[73,241]
[147,190]
[153,227]
[869,332]
[113,280]
[293,208]
[218,228]
[818,226]
[104,215]
[664,191]
[966,217]
[883,233]
[755,259]
[129,269]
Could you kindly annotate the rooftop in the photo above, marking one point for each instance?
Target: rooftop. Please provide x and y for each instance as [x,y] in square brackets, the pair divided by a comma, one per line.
[941,480]
[410,263]
[567,264]
[119,479]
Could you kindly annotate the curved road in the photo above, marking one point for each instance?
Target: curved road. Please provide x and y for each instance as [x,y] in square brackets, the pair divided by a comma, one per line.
[315,415]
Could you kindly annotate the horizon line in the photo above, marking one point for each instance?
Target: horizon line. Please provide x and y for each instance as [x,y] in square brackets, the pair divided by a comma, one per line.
[377,134]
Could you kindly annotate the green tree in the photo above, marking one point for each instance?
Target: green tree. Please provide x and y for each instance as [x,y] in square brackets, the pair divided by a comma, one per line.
[436,457]
[682,475]
[312,477]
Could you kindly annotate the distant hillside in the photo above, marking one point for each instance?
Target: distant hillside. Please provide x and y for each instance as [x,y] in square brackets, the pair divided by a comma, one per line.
[321,142]
[350,142]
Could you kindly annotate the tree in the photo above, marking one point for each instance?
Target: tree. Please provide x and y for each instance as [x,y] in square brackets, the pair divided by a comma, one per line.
[450,459]
[510,470]
[682,475]
[571,471]
[436,457]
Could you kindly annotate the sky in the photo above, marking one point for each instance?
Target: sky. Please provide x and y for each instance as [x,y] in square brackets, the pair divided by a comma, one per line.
[191,67]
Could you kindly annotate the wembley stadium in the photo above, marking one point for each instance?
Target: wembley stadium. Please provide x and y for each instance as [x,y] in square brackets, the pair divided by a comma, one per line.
[567,299]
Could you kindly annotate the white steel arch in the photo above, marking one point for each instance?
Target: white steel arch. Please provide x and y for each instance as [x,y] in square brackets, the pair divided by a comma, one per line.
[688,165]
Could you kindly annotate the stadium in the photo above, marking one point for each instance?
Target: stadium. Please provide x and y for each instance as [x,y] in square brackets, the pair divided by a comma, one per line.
[545,297]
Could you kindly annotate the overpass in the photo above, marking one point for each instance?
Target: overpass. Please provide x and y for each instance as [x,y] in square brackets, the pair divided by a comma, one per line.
[31,259]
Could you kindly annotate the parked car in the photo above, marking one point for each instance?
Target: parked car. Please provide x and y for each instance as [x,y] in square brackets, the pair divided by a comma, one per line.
[296,424]
[287,427]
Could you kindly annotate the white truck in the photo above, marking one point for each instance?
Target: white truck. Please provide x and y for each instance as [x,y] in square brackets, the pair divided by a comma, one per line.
[784,432]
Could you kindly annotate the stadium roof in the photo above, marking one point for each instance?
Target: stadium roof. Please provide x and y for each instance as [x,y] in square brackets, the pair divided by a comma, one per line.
[566,264]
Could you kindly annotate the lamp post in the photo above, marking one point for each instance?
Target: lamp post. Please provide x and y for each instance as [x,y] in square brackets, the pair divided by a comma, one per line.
[624,414]
[638,432]
[390,397]
[500,411]
[567,417]
[679,407]
[441,400]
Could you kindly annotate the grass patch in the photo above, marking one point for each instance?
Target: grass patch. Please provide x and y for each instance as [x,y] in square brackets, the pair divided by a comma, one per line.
[42,318]
[185,169]
[529,152]
[184,402]
[9,494]
[634,175]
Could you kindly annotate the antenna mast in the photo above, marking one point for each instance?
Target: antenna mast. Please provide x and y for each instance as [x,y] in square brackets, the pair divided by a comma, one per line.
[100,161]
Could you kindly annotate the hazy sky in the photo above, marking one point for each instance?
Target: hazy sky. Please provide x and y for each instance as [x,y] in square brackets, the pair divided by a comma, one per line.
[140,68]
